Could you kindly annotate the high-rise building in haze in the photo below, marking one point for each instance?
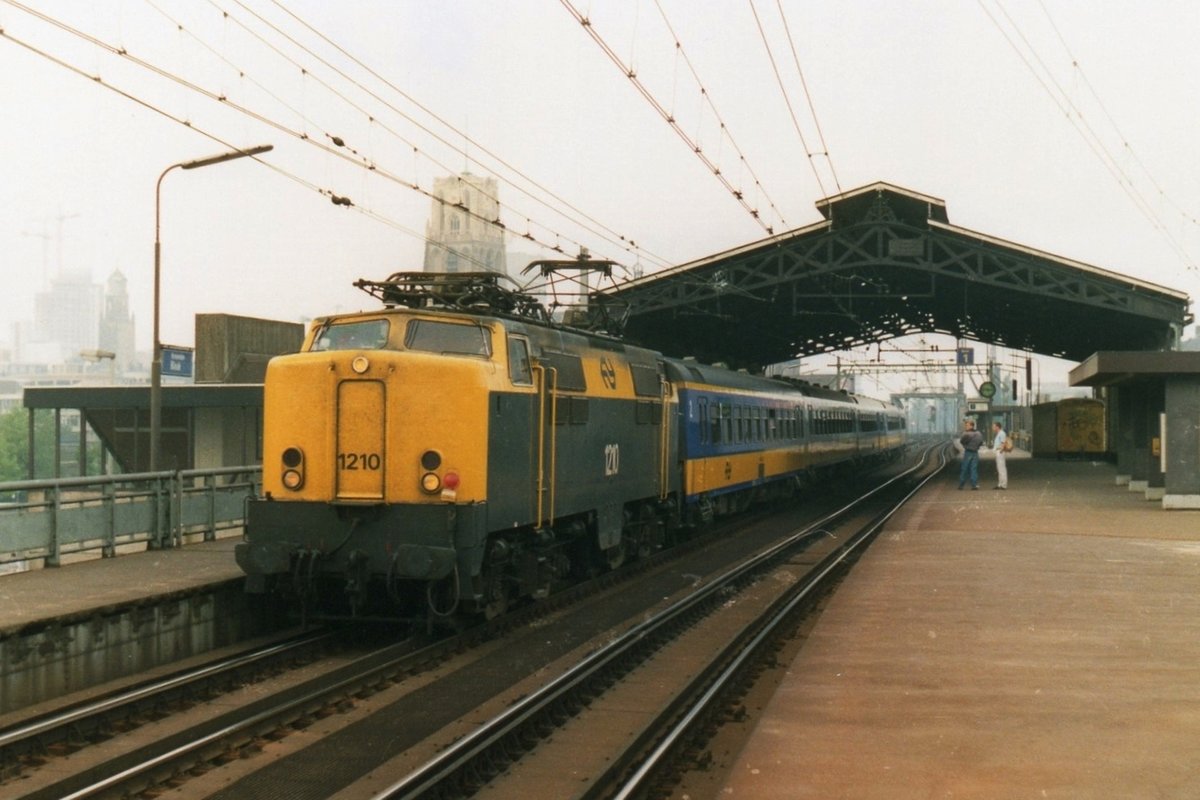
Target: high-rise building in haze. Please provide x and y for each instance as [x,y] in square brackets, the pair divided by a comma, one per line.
[66,319]
[459,235]
[116,325]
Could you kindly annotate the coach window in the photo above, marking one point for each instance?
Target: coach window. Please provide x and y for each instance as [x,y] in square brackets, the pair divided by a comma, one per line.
[702,413]
[519,371]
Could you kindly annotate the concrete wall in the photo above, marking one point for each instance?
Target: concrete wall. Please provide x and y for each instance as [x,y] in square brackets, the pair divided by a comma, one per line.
[1183,442]
[232,349]
[227,437]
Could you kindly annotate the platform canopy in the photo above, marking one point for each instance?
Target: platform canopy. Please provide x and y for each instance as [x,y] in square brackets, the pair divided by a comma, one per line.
[1114,369]
[886,262]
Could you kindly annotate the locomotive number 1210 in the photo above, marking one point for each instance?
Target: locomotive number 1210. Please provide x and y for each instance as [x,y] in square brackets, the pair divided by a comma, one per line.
[357,461]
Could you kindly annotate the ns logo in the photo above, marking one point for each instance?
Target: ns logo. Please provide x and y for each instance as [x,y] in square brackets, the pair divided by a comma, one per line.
[608,373]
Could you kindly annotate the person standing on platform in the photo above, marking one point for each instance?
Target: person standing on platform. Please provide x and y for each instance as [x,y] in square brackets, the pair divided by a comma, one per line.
[971,441]
[1002,447]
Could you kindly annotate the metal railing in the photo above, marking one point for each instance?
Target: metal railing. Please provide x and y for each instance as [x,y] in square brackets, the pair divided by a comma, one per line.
[47,519]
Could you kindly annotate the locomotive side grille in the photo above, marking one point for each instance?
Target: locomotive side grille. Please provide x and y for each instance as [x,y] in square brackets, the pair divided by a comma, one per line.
[361,422]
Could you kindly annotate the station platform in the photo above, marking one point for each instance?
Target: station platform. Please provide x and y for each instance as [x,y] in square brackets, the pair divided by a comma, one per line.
[1039,642]
[62,595]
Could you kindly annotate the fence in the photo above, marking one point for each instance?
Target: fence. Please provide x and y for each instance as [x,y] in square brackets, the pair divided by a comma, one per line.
[48,519]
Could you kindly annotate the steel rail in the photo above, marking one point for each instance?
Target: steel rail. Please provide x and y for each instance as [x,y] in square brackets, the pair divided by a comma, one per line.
[56,723]
[242,722]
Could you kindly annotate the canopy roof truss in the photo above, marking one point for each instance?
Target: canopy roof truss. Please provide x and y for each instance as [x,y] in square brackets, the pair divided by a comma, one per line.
[885,263]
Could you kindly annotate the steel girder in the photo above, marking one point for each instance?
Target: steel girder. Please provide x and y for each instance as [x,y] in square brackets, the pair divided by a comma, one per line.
[838,287]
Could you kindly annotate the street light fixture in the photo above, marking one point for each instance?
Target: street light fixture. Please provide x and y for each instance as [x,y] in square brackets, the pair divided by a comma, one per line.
[156,364]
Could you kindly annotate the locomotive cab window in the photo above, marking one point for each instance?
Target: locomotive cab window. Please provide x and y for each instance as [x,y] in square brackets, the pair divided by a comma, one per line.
[448,338]
[519,371]
[361,335]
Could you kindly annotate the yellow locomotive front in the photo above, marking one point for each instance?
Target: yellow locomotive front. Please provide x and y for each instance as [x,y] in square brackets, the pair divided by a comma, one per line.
[375,462]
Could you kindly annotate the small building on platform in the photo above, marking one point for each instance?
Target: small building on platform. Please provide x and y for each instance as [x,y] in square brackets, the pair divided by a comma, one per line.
[1154,411]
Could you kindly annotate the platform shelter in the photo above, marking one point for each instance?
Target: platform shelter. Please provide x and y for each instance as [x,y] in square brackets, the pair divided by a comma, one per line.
[1154,410]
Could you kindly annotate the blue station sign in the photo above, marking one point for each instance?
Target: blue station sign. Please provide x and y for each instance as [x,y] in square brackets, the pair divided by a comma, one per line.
[177,361]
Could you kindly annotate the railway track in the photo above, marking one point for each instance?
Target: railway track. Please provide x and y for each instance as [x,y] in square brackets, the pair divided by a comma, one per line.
[34,740]
[572,715]
[227,737]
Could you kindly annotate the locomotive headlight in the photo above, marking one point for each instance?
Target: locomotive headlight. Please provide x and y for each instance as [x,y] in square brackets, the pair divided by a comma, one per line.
[293,473]
[430,483]
[360,364]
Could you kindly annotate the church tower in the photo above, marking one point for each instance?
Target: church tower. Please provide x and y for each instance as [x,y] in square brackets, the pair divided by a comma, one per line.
[460,236]
[116,324]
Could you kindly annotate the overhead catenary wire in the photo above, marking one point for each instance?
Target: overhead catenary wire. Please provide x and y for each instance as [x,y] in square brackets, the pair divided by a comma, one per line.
[667,116]
[1184,213]
[1093,140]
[812,109]
[590,224]
[808,152]
[607,232]
[707,98]
[333,197]
[334,147]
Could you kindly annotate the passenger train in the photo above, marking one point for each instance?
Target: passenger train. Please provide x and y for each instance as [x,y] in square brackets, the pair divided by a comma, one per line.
[458,450]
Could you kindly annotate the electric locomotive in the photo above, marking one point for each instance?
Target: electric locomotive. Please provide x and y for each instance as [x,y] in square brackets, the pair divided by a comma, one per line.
[439,456]
[458,450]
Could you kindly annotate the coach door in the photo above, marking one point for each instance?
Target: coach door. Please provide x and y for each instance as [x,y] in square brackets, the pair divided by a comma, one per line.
[360,437]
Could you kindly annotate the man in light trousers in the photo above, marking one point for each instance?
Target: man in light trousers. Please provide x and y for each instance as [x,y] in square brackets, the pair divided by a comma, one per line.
[999,438]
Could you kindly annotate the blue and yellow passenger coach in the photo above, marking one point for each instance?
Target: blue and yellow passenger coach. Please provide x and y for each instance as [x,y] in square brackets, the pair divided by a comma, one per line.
[747,438]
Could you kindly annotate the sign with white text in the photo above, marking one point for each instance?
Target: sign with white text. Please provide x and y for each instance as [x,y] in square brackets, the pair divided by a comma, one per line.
[176,361]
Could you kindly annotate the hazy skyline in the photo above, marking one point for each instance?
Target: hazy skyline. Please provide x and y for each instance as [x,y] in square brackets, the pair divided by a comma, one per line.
[930,96]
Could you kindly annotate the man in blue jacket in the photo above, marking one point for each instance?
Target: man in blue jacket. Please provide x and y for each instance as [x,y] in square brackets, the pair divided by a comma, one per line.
[971,441]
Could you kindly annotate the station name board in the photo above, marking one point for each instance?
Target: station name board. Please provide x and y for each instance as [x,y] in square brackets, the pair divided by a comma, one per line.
[177,361]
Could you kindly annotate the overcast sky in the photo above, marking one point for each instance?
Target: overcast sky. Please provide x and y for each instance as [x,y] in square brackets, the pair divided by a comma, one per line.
[1091,158]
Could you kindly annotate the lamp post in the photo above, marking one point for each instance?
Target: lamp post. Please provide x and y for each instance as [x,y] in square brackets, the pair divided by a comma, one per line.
[156,364]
